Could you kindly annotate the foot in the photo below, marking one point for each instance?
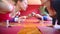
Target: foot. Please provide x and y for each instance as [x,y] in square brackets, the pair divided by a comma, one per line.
[57,26]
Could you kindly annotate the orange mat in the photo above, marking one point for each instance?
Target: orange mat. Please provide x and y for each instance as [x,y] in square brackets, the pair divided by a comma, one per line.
[29,30]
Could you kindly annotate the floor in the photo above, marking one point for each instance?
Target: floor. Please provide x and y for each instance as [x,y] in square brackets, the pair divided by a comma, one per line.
[16,27]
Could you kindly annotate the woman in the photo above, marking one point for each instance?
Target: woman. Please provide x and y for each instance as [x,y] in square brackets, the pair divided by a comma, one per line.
[7,9]
[51,10]
[21,5]
[53,7]
[56,5]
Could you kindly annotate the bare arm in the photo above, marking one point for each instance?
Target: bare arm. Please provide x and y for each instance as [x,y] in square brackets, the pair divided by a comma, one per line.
[50,9]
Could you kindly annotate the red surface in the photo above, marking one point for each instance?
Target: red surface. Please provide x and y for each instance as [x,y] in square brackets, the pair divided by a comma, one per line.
[30,9]
[4,17]
[10,30]
[48,30]
[16,29]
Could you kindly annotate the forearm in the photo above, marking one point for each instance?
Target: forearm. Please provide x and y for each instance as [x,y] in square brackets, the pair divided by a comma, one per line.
[38,16]
[51,10]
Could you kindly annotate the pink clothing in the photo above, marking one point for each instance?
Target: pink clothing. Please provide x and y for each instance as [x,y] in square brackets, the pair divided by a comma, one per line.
[4,17]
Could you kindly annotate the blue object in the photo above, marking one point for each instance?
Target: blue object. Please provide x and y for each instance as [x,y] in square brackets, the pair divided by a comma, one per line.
[45,18]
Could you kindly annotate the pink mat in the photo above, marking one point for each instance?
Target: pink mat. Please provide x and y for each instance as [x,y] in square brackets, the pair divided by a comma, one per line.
[10,30]
[48,30]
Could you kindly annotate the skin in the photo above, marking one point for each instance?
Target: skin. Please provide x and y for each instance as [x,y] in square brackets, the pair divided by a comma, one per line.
[51,11]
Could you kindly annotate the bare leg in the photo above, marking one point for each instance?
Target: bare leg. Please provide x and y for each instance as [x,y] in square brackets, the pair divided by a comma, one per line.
[7,23]
[38,16]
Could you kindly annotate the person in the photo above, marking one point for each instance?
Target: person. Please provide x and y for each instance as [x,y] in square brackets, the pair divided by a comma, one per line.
[50,10]
[20,5]
[56,5]
[7,9]
[44,12]
[23,5]
[42,17]
[38,16]
[53,8]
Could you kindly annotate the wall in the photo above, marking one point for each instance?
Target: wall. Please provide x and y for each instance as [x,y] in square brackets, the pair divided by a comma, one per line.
[34,2]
